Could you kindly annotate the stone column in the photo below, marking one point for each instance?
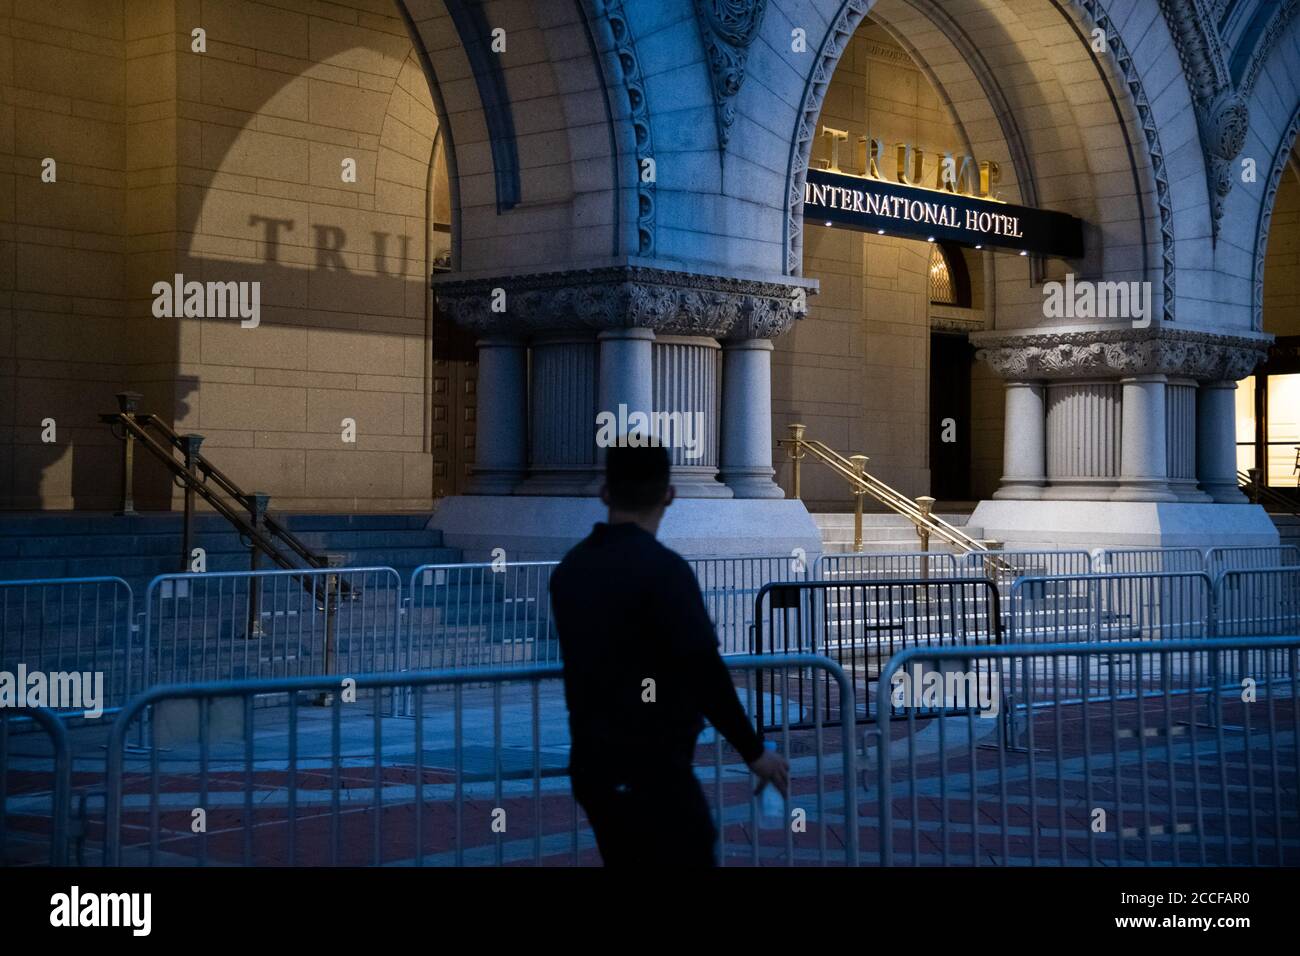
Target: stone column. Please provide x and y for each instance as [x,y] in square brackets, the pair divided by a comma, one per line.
[563,445]
[747,419]
[1144,470]
[1216,442]
[1180,433]
[500,431]
[686,408]
[626,375]
[1024,457]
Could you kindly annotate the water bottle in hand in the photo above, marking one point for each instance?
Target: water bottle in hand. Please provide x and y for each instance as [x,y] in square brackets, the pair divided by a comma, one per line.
[771,810]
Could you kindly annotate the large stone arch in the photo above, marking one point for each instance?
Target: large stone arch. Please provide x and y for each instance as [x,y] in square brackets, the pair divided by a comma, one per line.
[1274,105]
[1089,159]
[536,134]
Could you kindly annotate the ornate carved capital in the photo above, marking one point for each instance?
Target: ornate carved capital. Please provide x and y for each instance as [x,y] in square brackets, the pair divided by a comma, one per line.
[1203,356]
[727,27]
[668,302]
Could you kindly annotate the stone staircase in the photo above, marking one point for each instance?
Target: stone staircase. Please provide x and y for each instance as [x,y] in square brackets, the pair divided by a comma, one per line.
[1288,527]
[136,548]
[883,531]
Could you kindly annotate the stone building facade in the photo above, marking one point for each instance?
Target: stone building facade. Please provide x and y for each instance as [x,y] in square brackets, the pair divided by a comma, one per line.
[608,197]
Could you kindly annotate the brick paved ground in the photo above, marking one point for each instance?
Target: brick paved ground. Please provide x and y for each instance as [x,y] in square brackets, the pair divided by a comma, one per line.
[961,792]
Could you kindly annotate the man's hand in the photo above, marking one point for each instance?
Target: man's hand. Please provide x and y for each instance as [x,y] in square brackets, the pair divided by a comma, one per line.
[772,768]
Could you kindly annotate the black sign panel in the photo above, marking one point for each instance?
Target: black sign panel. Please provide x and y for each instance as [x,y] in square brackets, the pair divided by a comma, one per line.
[879,206]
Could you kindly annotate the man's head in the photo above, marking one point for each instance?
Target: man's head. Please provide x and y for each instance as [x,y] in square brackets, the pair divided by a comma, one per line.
[637,487]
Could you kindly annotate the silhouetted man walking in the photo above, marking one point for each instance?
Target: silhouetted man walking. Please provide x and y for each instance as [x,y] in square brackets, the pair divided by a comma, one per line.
[641,672]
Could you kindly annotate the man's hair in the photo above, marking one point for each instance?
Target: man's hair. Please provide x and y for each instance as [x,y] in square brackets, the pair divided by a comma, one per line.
[636,478]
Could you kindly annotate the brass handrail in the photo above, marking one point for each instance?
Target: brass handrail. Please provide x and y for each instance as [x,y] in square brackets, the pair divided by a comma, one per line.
[1257,489]
[231,490]
[862,482]
[262,532]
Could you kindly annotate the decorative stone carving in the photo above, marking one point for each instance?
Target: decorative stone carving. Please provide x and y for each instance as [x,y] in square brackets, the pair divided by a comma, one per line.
[664,301]
[727,27]
[1096,12]
[819,81]
[634,86]
[1202,356]
[1221,113]
[1285,11]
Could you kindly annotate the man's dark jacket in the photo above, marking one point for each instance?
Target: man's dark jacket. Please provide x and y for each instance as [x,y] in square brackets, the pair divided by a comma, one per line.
[628,610]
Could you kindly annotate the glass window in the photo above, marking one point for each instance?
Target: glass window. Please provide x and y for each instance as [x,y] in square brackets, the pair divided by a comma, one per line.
[942,289]
[1283,429]
[1245,398]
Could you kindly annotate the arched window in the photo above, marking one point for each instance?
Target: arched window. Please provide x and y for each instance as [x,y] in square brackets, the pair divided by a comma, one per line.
[943,288]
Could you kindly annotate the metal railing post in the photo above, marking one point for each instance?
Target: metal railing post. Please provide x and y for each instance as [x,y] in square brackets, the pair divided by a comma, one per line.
[1255,475]
[128,403]
[926,504]
[331,623]
[860,466]
[258,502]
[797,454]
[190,446]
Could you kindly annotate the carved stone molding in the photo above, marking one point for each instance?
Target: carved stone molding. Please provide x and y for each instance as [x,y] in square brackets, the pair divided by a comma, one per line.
[1222,116]
[634,87]
[667,302]
[1202,356]
[727,27]
[1286,10]
[837,38]
[1096,12]
[1271,186]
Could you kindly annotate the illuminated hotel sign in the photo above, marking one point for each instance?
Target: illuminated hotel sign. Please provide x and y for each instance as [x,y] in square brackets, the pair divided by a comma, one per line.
[963,212]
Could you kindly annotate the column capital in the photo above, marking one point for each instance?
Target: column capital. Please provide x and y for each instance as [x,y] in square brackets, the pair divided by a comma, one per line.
[667,301]
[735,345]
[1112,353]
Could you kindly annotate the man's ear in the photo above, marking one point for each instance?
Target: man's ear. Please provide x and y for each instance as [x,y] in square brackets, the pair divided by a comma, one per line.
[604,495]
[668,498]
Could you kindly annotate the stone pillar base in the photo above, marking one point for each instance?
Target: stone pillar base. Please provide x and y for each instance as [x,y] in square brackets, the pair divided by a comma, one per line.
[1139,524]
[543,529]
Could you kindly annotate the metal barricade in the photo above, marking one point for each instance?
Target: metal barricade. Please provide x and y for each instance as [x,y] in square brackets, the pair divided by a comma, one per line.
[1257,601]
[1003,567]
[1110,607]
[35,789]
[480,615]
[232,625]
[1148,560]
[1218,560]
[876,566]
[478,777]
[729,586]
[1189,767]
[860,625]
[84,625]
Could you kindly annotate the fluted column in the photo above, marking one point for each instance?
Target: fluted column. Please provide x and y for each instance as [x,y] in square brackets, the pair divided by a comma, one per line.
[686,412]
[626,375]
[1144,470]
[500,434]
[563,445]
[1216,441]
[746,464]
[1024,442]
[1180,435]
